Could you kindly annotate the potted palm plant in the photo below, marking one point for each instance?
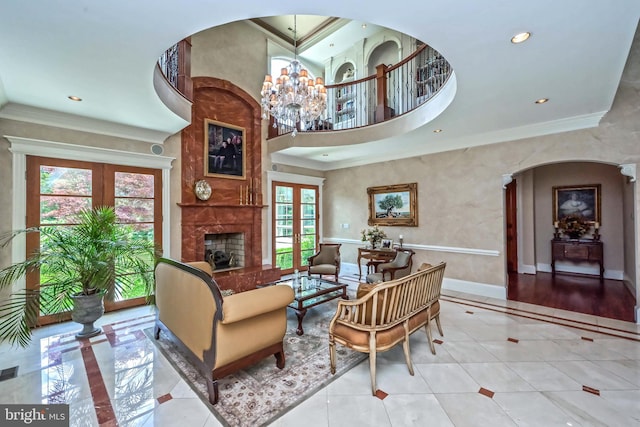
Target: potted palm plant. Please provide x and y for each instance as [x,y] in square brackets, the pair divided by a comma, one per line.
[80,266]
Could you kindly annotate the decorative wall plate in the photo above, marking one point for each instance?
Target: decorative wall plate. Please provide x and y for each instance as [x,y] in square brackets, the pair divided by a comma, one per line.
[202,190]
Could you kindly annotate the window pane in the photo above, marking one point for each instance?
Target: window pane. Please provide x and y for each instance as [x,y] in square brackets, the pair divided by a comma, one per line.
[308,195]
[133,185]
[61,210]
[58,180]
[134,210]
[308,211]
[284,194]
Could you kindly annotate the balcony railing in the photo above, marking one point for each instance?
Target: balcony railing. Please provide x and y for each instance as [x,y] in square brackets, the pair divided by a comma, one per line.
[175,64]
[391,92]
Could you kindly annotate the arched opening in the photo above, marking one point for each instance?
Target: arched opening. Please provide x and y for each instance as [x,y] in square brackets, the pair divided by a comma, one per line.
[576,284]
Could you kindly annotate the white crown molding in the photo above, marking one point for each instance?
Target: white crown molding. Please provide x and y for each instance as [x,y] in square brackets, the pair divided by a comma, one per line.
[61,150]
[25,113]
[504,135]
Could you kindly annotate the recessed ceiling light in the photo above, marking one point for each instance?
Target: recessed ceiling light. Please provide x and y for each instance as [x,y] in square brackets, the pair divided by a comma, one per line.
[75,98]
[437,131]
[331,44]
[325,155]
[521,37]
[542,100]
[364,25]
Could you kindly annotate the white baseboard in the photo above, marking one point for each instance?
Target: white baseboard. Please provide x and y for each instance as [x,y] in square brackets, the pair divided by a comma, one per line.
[475,288]
[581,269]
[527,269]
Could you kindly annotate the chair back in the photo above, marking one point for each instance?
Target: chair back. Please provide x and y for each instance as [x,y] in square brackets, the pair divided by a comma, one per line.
[329,253]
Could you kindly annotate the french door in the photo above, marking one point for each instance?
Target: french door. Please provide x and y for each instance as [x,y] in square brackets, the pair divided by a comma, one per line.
[295,225]
[58,189]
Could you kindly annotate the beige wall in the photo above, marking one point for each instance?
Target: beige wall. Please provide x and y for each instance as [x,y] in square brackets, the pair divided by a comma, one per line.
[461,199]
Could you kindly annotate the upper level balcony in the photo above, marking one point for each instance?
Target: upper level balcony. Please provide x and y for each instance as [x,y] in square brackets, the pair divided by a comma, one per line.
[395,100]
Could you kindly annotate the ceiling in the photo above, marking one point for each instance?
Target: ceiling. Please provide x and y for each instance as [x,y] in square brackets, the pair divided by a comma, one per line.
[50,49]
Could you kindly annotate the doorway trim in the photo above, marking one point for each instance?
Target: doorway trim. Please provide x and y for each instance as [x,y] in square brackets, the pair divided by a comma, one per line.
[290,178]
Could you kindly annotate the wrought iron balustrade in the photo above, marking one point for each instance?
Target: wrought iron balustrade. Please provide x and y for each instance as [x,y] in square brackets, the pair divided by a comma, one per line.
[389,93]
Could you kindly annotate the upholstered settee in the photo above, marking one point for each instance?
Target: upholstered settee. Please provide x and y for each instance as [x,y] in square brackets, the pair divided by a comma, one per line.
[220,334]
[386,315]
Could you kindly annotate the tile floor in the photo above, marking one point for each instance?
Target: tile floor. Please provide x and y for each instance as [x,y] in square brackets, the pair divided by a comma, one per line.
[499,364]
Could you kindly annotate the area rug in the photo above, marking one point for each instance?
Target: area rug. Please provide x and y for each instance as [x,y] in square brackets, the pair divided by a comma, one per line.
[258,395]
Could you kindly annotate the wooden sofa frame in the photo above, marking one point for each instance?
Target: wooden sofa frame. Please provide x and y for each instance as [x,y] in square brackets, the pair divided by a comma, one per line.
[387,315]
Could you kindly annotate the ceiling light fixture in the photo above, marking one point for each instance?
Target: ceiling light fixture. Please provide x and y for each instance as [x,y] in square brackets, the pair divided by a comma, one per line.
[521,37]
[437,131]
[295,98]
[542,100]
[74,98]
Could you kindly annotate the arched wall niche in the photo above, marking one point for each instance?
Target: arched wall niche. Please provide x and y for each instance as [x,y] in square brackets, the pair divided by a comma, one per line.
[535,216]
[344,72]
[386,52]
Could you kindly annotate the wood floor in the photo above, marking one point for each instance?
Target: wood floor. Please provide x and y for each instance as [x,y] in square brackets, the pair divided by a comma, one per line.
[582,294]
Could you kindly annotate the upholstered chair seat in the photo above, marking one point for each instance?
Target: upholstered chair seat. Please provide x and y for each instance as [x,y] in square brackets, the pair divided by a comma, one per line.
[399,267]
[326,260]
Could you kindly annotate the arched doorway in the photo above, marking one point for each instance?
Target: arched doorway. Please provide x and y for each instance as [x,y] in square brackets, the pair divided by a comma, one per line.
[576,286]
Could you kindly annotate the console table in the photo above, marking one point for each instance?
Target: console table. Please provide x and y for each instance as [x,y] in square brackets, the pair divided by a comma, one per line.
[577,251]
[375,255]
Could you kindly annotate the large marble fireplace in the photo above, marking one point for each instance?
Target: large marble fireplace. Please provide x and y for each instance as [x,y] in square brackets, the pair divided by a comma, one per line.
[225,213]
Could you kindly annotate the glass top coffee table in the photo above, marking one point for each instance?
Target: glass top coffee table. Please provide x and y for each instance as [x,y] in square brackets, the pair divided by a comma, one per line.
[310,292]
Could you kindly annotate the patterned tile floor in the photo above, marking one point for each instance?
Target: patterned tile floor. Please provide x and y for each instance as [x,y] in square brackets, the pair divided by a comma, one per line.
[499,364]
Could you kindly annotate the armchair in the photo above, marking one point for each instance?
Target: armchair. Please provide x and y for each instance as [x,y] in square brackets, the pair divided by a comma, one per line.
[220,335]
[326,260]
[399,267]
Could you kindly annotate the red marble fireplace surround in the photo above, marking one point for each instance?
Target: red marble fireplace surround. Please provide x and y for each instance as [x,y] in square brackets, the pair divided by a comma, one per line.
[222,101]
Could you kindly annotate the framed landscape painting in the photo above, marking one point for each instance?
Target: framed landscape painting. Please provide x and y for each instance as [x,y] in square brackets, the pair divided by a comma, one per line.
[224,150]
[393,205]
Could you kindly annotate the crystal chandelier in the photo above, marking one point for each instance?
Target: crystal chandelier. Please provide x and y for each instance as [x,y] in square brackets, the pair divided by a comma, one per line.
[295,97]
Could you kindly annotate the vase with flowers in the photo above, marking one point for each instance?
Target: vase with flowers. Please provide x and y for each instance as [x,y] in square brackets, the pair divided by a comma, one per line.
[574,226]
[373,235]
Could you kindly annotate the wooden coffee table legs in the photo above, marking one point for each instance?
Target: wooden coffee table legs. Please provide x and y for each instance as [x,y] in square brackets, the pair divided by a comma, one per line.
[300,315]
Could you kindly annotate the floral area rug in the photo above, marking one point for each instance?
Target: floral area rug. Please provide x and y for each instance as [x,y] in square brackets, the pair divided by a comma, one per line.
[261,393]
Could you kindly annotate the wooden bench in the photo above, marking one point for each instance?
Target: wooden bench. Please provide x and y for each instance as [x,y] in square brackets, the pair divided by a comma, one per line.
[387,315]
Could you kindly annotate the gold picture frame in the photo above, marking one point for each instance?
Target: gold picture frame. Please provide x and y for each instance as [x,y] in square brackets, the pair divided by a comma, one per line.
[394,205]
[582,200]
[225,150]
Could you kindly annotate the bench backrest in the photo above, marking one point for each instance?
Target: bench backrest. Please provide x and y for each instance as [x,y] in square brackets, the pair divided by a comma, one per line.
[390,303]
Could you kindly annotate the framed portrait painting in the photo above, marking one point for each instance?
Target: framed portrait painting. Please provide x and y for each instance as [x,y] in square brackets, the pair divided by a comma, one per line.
[224,150]
[580,200]
[393,205]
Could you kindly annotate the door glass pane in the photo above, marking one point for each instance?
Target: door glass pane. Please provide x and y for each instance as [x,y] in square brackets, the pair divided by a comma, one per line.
[134,204]
[61,209]
[307,224]
[283,233]
[63,193]
[71,181]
